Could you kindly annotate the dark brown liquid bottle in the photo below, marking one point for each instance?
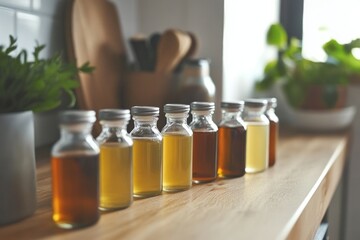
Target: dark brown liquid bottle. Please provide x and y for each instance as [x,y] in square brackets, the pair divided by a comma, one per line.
[231,151]
[231,141]
[204,156]
[75,190]
[274,130]
[75,172]
[204,142]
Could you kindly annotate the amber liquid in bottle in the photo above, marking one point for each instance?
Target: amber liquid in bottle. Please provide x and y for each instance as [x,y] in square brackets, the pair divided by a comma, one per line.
[177,157]
[147,167]
[75,186]
[274,132]
[115,176]
[204,156]
[231,151]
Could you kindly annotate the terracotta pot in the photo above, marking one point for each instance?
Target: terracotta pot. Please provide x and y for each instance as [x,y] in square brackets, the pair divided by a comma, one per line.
[314,98]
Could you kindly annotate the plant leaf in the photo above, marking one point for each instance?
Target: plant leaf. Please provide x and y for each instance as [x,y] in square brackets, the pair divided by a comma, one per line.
[277,36]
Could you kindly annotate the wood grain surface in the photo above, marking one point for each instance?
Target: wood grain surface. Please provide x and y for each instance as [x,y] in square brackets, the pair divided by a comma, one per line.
[287,201]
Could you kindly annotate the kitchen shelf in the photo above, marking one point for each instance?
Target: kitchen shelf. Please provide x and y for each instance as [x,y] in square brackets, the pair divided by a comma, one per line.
[286,201]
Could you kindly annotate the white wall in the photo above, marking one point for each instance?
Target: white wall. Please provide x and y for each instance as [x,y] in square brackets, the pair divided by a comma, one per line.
[245,49]
[31,21]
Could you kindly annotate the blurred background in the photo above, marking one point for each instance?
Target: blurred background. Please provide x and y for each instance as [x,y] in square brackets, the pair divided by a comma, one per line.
[232,34]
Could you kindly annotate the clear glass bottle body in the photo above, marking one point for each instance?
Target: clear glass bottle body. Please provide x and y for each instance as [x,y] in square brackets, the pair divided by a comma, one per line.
[195,82]
[116,180]
[231,144]
[204,146]
[147,157]
[75,176]
[177,153]
[257,138]
[274,131]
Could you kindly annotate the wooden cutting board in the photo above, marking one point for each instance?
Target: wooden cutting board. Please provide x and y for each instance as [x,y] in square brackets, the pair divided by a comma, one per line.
[94,34]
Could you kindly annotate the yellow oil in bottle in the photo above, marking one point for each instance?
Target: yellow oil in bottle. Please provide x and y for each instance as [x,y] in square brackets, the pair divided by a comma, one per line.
[257,147]
[147,167]
[177,155]
[115,176]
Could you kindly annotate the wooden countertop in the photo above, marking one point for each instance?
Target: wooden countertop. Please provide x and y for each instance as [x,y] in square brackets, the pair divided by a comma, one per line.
[286,201]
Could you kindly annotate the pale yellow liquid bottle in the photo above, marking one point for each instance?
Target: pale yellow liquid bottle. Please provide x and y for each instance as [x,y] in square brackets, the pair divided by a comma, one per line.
[177,162]
[147,152]
[257,147]
[257,136]
[116,183]
[147,162]
[115,176]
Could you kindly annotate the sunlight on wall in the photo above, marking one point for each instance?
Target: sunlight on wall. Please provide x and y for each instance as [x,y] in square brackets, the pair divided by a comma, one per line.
[245,51]
[326,19]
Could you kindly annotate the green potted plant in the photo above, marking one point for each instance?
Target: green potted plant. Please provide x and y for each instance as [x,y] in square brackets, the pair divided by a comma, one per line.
[26,87]
[307,84]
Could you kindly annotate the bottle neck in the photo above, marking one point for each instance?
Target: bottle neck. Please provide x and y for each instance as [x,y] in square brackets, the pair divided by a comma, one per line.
[76,130]
[145,121]
[202,115]
[180,118]
[229,115]
[114,126]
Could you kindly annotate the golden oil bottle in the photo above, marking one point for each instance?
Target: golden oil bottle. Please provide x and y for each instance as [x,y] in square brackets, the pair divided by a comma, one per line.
[177,149]
[116,187]
[147,152]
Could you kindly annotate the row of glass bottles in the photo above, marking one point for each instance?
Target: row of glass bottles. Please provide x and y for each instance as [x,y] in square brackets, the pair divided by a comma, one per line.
[186,154]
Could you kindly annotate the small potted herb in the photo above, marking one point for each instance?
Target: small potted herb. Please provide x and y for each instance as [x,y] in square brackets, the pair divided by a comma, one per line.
[308,84]
[26,87]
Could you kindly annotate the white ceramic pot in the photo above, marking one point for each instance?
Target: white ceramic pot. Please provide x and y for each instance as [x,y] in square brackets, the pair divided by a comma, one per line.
[17,166]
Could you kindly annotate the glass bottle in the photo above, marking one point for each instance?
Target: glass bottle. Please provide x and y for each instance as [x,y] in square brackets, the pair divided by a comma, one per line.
[177,149]
[195,83]
[116,188]
[147,152]
[274,129]
[231,141]
[75,171]
[204,142]
[257,135]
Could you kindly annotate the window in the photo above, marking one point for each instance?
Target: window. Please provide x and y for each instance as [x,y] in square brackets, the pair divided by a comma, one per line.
[327,19]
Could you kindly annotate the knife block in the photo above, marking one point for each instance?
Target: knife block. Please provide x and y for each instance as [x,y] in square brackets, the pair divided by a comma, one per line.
[147,89]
